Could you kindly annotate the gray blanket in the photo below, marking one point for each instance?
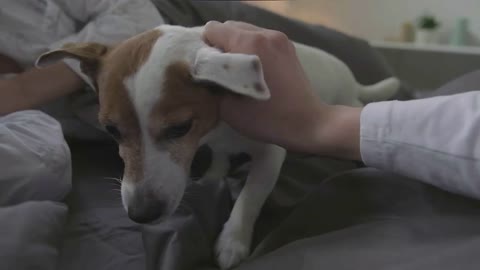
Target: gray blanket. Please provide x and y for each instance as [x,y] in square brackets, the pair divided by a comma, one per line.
[367,219]
[358,219]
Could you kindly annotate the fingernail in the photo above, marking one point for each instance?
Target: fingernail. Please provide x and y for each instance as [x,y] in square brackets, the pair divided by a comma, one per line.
[210,23]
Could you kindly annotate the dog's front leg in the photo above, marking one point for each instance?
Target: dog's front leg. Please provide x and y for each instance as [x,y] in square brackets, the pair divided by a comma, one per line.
[219,166]
[233,244]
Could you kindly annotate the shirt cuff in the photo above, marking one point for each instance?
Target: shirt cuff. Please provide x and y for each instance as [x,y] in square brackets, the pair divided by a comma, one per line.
[375,128]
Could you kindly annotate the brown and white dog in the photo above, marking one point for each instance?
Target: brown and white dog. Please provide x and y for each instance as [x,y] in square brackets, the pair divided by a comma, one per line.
[155,100]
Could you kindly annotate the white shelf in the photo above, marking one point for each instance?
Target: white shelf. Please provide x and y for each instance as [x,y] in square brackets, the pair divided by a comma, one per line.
[428,47]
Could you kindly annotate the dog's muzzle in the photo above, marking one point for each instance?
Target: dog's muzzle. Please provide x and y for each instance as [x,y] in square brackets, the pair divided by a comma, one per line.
[144,207]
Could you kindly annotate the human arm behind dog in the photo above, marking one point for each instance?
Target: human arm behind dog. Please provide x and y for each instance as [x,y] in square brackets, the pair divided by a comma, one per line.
[434,140]
[35,87]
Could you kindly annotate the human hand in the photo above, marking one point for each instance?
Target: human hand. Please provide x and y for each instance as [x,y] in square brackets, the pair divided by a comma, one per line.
[294,116]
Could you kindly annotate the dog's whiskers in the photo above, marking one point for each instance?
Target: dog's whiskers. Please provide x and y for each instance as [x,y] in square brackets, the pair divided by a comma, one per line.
[119,180]
[114,185]
[117,191]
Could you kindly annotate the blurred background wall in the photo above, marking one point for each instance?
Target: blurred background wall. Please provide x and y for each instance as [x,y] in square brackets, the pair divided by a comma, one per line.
[381,19]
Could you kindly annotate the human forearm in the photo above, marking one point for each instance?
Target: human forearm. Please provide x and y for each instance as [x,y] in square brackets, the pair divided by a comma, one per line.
[432,140]
[37,86]
[8,65]
[337,132]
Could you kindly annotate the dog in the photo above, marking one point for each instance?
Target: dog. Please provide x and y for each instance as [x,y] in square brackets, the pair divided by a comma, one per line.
[157,100]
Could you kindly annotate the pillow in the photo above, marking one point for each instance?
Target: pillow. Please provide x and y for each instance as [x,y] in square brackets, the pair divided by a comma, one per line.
[30,234]
[466,83]
[34,158]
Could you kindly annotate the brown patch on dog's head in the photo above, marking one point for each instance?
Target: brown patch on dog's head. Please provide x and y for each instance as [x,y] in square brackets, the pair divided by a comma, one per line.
[116,107]
[183,101]
[107,68]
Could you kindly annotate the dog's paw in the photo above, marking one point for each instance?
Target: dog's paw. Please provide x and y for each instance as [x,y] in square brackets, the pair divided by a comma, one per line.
[232,247]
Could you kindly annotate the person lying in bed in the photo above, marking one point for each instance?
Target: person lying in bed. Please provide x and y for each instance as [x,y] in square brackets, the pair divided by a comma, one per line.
[34,155]
[435,140]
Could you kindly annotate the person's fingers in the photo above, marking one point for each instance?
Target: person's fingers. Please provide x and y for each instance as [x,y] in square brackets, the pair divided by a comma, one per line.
[218,34]
[243,25]
[225,36]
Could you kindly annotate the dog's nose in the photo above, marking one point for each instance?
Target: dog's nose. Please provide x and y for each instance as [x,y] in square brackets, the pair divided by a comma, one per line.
[144,210]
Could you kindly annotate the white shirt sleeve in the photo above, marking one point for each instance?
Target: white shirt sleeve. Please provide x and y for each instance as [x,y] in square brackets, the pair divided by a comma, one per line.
[107,22]
[435,140]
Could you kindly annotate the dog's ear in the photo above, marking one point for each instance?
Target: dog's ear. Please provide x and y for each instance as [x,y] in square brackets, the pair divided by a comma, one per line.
[239,73]
[88,54]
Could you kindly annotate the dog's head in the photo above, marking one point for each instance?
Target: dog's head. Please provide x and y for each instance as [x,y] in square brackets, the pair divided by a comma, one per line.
[156,100]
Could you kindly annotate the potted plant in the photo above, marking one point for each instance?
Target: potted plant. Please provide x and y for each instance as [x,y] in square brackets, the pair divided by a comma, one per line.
[426,30]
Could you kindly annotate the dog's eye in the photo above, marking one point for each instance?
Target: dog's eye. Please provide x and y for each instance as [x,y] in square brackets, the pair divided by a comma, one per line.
[114,132]
[178,130]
